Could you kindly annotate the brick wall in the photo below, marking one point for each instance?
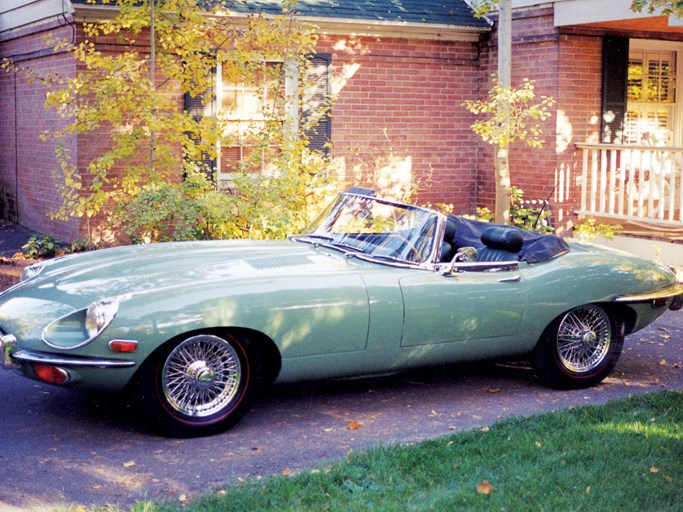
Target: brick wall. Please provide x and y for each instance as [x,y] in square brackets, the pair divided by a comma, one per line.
[578,118]
[399,108]
[28,163]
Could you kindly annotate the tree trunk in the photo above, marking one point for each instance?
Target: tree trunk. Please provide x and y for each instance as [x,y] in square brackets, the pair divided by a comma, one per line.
[505,80]
[502,186]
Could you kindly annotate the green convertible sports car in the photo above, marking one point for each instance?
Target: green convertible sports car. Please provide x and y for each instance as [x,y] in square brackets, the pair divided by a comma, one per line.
[193,330]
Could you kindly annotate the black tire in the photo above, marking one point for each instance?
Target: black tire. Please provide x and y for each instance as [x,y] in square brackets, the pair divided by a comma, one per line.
[580,348]
[199,385]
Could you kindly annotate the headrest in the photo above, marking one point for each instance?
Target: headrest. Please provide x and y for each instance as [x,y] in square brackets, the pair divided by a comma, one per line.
[505,238]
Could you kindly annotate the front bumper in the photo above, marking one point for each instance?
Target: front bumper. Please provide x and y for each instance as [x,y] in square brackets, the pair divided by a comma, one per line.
[673,291]
[11,357]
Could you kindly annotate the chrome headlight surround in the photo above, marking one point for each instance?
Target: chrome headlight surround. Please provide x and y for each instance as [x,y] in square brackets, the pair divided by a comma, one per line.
[82,326]
[31,271]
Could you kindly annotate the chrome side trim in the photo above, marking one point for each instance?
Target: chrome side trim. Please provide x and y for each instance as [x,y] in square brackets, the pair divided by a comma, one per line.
[484,266]
[24,356]
[672,290]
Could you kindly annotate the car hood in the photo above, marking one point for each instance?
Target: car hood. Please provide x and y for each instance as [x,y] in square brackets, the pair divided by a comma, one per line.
[138,269]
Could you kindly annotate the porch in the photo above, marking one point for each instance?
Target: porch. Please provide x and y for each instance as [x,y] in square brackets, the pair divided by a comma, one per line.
[637,186]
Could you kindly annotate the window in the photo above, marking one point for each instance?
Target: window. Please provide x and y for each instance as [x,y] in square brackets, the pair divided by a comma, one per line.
[245,107]
[651,106]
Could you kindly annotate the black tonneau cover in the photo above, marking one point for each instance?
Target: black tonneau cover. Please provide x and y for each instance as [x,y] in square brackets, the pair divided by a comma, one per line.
[536,247]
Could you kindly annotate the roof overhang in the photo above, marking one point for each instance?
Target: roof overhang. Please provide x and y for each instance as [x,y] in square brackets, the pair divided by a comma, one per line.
[612,15]
[335,26]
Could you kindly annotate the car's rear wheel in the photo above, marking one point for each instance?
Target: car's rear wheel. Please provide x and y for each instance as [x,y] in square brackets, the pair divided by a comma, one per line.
[200,385]
[580,348]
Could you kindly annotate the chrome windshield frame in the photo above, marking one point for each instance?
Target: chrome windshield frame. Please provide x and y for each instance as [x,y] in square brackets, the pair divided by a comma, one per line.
[420,249]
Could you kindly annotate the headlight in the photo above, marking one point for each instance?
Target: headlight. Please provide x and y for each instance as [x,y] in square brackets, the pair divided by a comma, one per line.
[81,327]
[31,271]
[99,315]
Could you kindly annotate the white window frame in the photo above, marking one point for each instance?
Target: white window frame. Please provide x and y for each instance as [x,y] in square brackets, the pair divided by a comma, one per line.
[676,122]
[225,179]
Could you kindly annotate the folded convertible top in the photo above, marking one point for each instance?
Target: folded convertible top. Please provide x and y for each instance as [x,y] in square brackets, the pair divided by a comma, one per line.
[536,247]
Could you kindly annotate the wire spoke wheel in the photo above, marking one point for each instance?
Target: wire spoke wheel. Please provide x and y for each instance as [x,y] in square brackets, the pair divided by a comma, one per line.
[583,338]
[201,376]
[580,348]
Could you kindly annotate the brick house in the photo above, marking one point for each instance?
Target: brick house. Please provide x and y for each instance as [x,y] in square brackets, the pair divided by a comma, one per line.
[401,70]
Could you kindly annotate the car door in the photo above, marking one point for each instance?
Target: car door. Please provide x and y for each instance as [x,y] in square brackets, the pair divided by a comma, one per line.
[459,306]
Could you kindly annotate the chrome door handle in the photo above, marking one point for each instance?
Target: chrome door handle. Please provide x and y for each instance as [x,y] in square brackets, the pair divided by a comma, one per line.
[513,279]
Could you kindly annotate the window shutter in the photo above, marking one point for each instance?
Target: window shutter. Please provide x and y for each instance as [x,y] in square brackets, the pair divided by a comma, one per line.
[315,119]
[614,88]
[198,106]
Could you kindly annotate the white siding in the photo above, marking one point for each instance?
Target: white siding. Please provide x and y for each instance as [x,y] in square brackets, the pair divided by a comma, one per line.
[16,14]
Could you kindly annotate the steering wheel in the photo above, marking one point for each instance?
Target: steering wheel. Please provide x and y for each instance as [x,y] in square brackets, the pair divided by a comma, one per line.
[413,250]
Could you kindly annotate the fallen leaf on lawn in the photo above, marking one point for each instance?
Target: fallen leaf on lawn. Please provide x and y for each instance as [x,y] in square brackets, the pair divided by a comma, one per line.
[286,472]
[485,488]
[538,444]
[485,429]
[588,490]
[654,470]
[129,464]
[353,425]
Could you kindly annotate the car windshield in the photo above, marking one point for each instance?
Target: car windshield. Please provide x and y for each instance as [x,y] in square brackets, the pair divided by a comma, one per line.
[381,230]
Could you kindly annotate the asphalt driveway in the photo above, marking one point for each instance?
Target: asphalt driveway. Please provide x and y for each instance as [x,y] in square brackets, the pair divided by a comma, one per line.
[64,447]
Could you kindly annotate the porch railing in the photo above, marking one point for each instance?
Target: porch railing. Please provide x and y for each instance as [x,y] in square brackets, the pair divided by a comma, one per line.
[627,182]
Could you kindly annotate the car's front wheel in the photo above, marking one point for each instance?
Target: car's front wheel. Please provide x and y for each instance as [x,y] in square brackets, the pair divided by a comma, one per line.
[199,385]
[580,348]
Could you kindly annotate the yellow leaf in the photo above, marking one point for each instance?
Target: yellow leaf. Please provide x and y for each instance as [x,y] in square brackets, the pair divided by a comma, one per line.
[485,488]
[353,425]
[129,464]
[654,470]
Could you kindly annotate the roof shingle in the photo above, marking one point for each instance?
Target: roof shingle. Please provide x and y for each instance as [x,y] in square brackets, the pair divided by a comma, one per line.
[439,12]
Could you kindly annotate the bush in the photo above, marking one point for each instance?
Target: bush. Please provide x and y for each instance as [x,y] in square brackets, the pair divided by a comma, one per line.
[531,215]
[41,246]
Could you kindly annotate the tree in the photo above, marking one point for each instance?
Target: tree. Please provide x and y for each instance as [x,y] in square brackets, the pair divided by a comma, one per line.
[153,160]
[511,115]
[504,77]
[666,7]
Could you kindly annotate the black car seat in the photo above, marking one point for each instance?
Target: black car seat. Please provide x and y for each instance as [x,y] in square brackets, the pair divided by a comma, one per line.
[448,245]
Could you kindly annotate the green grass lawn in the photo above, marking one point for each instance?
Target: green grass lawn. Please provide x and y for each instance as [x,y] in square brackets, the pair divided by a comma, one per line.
[626,455]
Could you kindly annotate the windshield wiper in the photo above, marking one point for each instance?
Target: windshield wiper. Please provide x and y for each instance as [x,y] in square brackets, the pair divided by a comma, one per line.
[328,241]
[312,239]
